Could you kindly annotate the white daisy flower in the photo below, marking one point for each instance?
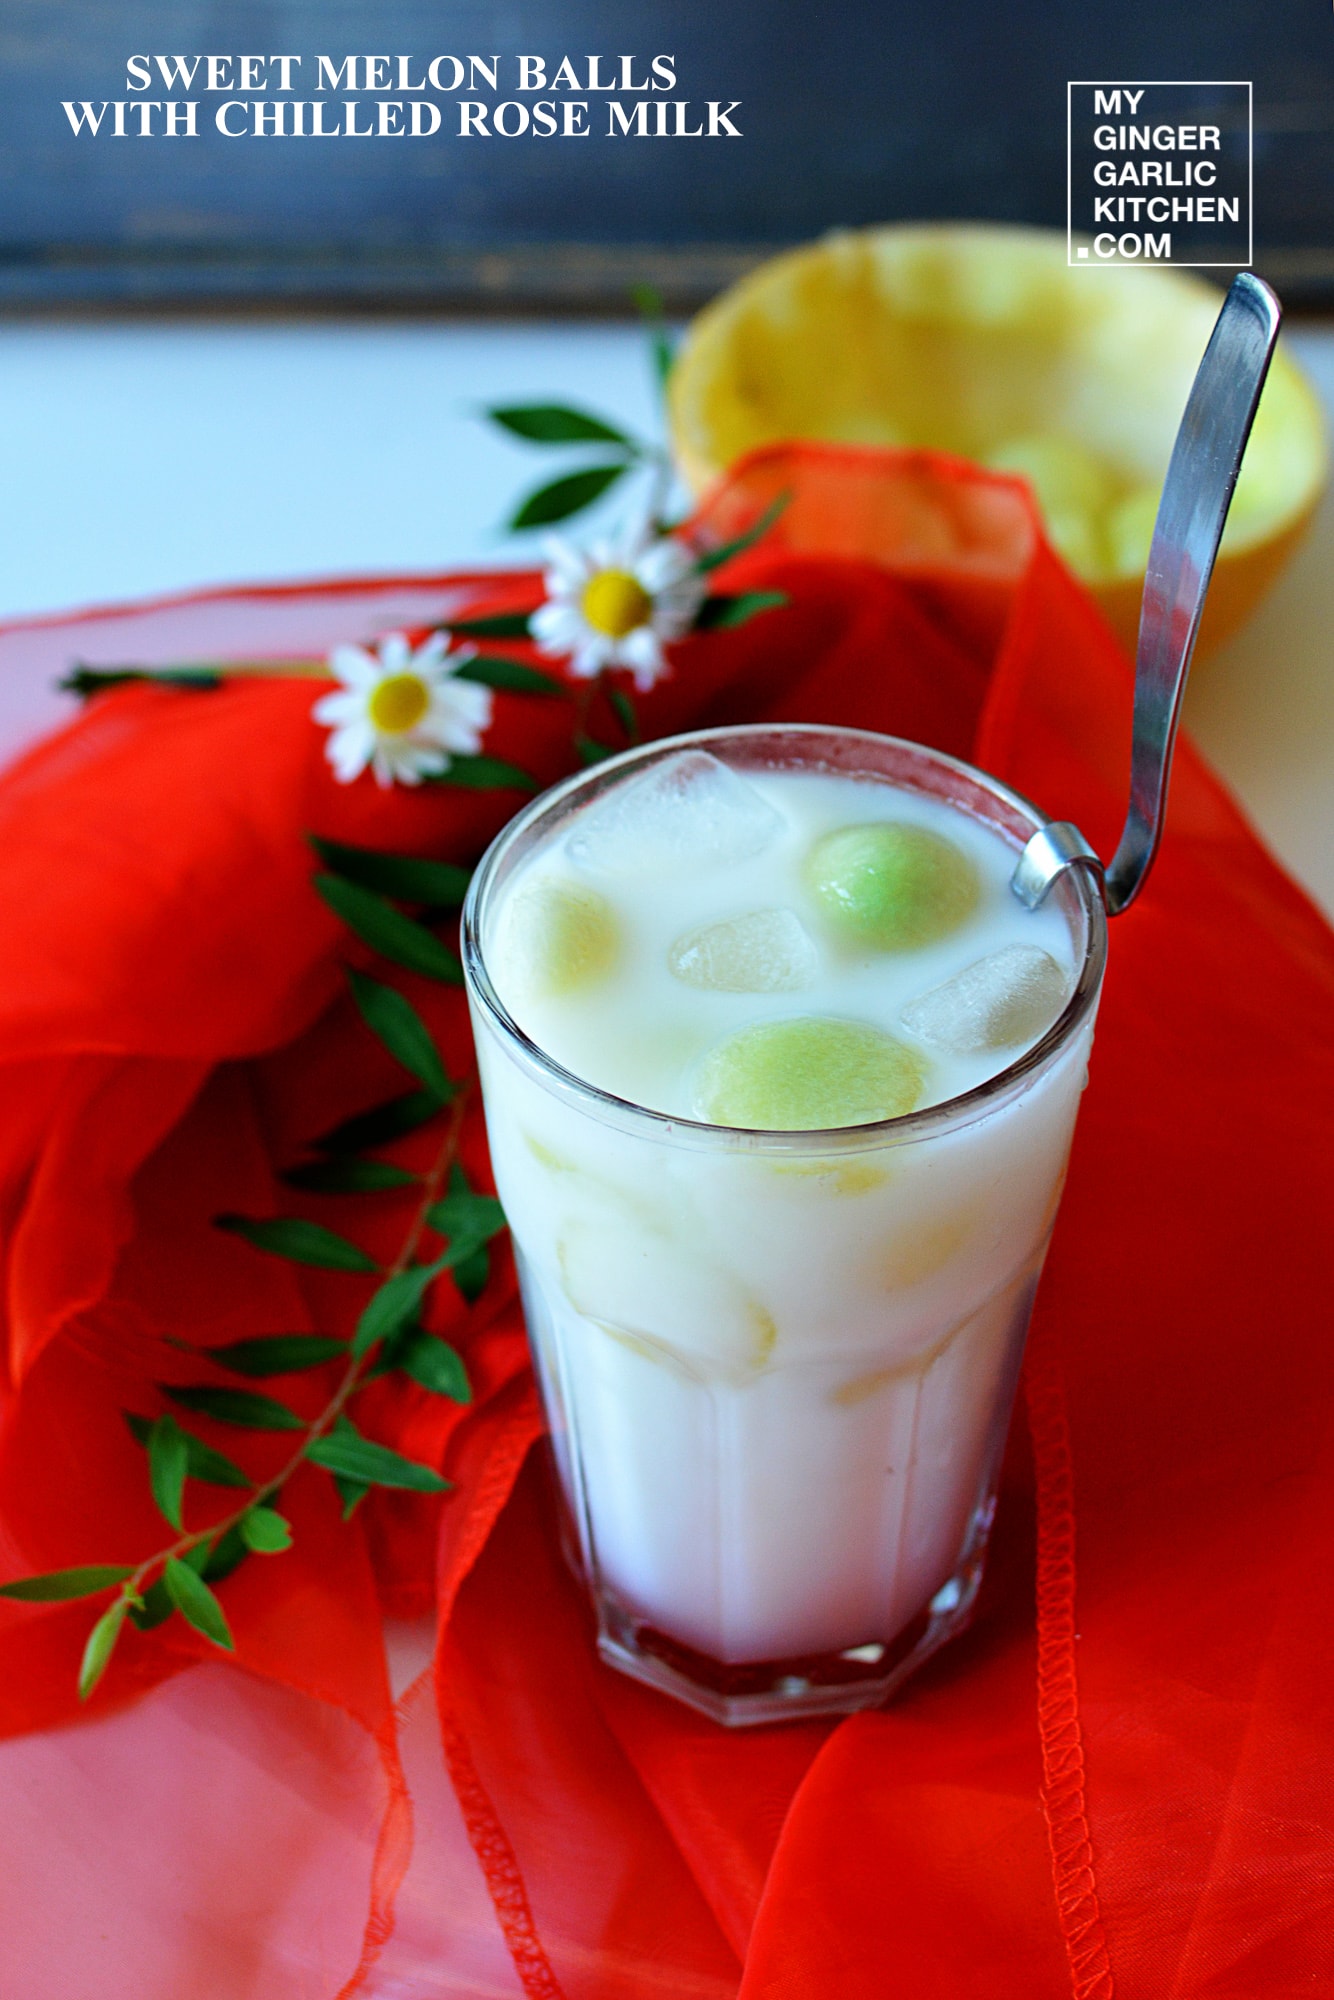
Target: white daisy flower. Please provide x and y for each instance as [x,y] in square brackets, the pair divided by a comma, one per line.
[401,711]
[617,603]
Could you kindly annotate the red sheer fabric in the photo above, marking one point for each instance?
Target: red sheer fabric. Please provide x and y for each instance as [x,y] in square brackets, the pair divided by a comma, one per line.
[1125,1794]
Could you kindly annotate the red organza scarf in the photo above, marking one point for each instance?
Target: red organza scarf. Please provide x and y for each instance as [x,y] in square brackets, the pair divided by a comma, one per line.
[1126,1795]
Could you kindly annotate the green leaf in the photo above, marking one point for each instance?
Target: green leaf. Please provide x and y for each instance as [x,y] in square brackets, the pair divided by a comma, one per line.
[648,300]
[434,1364]
[469,1221]
[214,1561]
[220,1558]
[265,1531]
[472,1269]
[58,1584]
[484,774]
[381,1124]
[346,1452]
[351,1492]
[196,1603]
[722,614]
[557,423]
[202,1462]
[566,496]
[406,877]
[464,1213]
[236,1406]
[101,1645]
[663,356]
[393,1305]
[511,676]
[303,1242]
[168,1463]
[387,931]
[756,532]
[501,625]
[276,1354]
[396,1022]
[625,712]
[85,681]
[590,751]
[153,1609]
[348,1176]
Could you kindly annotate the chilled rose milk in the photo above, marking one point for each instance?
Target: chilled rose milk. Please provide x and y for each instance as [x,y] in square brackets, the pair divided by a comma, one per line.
[778,1371]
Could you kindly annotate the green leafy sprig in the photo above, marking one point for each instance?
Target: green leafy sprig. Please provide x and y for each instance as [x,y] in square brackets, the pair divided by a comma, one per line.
[561,425]
[194,676]
[365,887]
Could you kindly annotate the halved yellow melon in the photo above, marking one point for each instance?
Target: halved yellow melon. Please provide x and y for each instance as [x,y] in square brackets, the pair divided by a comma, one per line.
[984,342]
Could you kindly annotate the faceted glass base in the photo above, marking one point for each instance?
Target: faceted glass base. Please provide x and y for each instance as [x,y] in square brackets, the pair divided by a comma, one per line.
[788,1690]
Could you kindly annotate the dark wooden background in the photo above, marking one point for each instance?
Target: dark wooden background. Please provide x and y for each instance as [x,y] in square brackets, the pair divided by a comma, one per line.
[853,111]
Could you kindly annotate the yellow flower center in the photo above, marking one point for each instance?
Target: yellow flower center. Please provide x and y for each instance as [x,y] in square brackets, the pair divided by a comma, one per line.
[398,703]
[614,603]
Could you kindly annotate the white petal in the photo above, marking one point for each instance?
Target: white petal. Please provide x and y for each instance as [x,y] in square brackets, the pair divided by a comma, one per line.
[594,652]
[430,656]
[345,706]
[557,628]
[395,653]
[568,568]
[558,593]
[412,761]
[469,702]
[450,662]
[664,563]
[637,536]
[354,667]
[640,649]
[561,552]
[349,751]
[674,614]
[454,726]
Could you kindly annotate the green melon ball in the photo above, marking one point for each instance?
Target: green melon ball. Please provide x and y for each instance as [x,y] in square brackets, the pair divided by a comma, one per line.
[807,1075]
[890,885]
[556,938]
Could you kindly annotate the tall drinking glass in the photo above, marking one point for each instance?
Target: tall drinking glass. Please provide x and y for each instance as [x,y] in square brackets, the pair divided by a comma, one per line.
[778,1367]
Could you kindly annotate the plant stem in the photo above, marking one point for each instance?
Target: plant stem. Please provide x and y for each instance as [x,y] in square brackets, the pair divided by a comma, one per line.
[432,1183]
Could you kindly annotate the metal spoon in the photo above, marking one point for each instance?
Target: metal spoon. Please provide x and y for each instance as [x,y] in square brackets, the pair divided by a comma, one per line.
[1197,493]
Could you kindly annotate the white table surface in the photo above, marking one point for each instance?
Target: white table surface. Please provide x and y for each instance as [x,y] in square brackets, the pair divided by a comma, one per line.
[146,457]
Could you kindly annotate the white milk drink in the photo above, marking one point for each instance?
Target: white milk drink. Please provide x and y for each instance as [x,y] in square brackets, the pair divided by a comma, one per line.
[780,1079]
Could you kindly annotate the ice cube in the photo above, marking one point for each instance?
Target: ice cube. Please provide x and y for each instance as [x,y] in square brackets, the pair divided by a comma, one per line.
[807,1075]
[690,810]
[765,951]
[554,938]
[891,885]
[1011,996]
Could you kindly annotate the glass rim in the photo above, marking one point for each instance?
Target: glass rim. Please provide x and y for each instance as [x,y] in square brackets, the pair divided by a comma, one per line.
[625,1114]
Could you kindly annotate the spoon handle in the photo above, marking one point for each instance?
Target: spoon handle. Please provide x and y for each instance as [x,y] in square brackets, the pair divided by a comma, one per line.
[1196,496]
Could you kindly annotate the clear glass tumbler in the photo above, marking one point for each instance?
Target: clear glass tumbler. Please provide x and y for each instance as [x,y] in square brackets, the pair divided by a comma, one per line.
[778,1367]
